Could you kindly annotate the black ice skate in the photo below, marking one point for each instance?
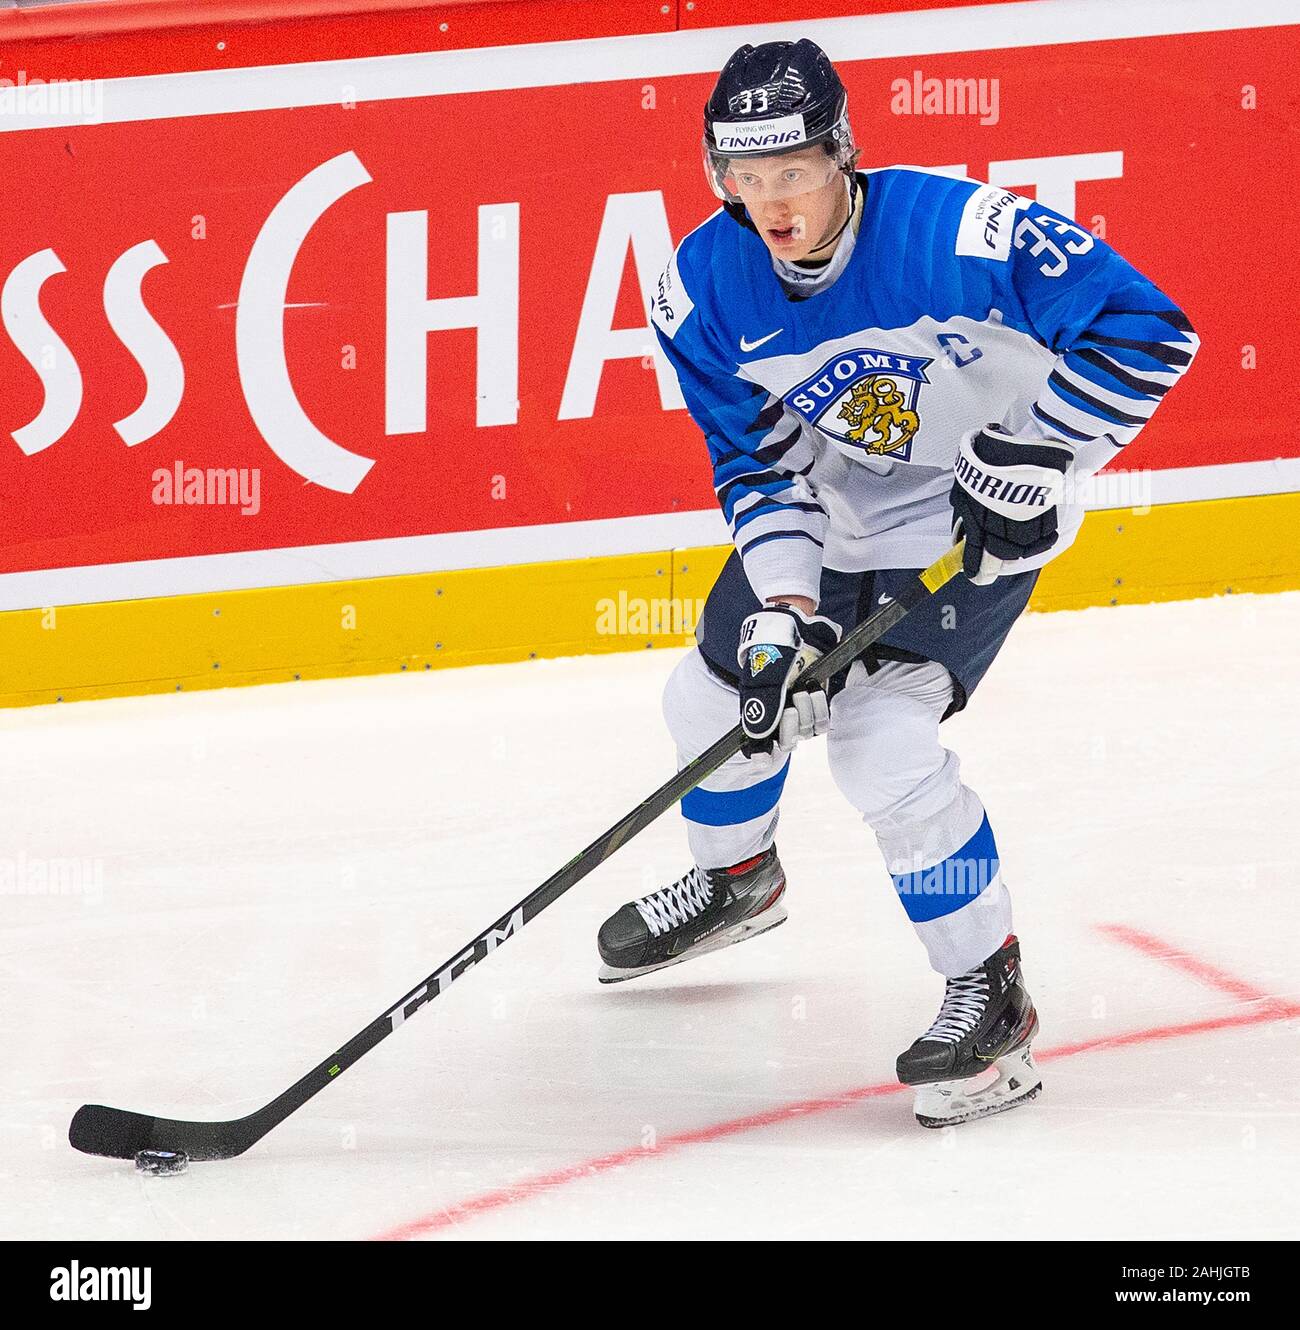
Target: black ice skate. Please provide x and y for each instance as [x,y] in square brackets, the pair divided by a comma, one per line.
[704,911]
[975,1059]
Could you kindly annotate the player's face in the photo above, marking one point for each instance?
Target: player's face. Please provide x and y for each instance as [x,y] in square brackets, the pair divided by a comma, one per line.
[796,200]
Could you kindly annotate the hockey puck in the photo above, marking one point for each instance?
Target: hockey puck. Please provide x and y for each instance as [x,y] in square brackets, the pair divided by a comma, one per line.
[162,1163]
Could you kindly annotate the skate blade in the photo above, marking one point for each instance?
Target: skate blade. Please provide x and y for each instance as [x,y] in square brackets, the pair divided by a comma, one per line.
[726,937]
[1012,1080]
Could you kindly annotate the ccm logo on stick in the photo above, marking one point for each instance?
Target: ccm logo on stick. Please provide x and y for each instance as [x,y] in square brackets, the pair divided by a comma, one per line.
[489,942]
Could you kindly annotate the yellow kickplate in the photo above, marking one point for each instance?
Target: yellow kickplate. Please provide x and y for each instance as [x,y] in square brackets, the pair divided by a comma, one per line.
[570,607]
[321,630]
[1177,551]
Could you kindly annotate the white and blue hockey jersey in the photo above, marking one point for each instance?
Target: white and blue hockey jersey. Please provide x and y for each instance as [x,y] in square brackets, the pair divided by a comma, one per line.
[832,420]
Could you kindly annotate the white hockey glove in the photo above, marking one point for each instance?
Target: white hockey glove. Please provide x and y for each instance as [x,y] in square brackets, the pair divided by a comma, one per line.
[776,645]
[1006,499]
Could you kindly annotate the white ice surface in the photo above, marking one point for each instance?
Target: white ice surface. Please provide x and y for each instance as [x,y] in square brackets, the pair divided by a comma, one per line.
[279,864]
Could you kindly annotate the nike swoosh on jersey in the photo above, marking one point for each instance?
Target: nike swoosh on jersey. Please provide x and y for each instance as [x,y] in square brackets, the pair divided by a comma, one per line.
[746,345]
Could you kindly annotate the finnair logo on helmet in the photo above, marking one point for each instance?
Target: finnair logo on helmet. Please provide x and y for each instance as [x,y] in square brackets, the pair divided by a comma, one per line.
[759,135]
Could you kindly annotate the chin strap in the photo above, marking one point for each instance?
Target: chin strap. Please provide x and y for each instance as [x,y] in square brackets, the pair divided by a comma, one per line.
[737,213]
[853,203]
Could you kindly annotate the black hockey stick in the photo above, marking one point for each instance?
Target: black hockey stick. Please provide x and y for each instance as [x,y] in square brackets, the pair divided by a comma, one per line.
[120,1134]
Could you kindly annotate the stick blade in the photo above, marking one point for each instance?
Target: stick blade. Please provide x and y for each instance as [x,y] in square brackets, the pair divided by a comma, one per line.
[118,1134]
[112,1132]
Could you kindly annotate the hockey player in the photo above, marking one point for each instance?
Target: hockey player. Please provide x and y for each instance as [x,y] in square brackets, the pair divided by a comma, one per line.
[879,361]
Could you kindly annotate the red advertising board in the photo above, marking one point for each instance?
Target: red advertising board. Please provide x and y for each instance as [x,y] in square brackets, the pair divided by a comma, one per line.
[410,293]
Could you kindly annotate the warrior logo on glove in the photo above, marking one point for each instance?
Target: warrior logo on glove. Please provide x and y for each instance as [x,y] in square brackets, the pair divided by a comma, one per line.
[1005,499]
[1025,493]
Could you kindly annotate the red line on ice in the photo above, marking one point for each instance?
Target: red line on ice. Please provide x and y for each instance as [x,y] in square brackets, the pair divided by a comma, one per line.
[1173,955]
[1265,1009]
[522,1191]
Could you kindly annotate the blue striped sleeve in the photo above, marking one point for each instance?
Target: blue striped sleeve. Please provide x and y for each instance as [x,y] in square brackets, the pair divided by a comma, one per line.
[1120,342]
[760,459]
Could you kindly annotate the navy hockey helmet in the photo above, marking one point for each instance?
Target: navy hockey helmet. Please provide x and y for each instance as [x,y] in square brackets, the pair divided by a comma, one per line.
[781,97]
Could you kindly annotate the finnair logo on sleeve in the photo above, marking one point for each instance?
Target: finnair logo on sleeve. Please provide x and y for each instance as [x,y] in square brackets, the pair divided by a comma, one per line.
[671,304]
[781,131]
[987,222]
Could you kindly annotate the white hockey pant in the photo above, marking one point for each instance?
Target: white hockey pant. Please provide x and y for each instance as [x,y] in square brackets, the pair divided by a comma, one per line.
[887,760]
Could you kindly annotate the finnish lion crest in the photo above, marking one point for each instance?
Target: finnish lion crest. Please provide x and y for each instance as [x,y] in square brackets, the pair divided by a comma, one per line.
[866,398]
[760,657]
[878,416]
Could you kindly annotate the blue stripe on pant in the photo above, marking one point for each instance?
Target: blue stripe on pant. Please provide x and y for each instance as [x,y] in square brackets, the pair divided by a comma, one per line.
[729,808]
[931,893]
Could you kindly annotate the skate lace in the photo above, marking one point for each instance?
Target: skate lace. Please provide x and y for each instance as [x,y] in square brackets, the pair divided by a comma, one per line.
[676,904]
[964,1001]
